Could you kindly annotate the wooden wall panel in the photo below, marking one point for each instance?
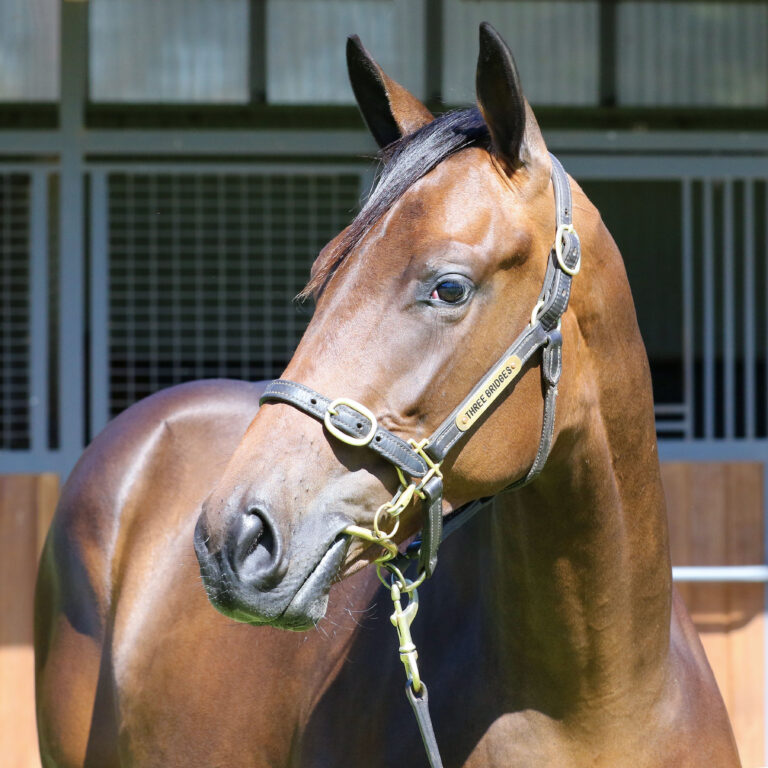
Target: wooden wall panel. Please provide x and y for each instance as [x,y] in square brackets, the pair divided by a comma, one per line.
[716,518]
[27,503]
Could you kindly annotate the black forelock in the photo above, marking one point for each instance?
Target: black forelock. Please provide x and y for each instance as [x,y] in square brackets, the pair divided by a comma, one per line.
[403,163]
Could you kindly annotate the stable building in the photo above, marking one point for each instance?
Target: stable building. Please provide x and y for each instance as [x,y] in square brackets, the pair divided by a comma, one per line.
[169,169]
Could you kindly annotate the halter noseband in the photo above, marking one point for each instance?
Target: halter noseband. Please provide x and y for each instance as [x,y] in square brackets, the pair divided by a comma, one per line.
[353,424]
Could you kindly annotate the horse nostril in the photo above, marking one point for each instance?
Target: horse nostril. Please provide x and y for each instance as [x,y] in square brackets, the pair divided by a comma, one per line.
[264,539]
[253,548]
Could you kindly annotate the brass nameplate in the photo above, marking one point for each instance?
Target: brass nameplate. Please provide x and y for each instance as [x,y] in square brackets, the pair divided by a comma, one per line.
[496,382]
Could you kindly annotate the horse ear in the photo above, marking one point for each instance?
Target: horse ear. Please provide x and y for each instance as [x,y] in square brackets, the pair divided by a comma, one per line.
[389,110]
[514,130]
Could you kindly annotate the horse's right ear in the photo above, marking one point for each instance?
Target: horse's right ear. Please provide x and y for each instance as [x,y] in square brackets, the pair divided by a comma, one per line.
[389,110]
[514,130]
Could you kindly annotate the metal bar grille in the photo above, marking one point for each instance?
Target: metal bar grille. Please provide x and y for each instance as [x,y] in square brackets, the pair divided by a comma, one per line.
[750,416]
[729,360]
[708,297]
[729,229]
[14,311]
[39,291]
[687,256]
[204,268]
[194,267]
[699,278]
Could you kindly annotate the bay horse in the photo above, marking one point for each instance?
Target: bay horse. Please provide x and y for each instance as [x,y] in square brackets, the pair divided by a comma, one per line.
[550,635]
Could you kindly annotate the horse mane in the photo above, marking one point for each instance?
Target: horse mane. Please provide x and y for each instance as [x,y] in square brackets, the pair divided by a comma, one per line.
[402,164]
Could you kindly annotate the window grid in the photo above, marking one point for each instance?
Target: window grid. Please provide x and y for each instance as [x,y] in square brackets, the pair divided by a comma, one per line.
[203,271]
[14,311]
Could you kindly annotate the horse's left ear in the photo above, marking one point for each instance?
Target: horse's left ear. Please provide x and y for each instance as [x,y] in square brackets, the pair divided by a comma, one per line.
[390,110]
[514,130]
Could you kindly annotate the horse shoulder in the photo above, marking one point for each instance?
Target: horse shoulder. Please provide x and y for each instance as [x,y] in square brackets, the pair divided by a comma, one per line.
[177,440]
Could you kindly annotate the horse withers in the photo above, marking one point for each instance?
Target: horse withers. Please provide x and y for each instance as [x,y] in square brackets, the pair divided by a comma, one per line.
[550,634]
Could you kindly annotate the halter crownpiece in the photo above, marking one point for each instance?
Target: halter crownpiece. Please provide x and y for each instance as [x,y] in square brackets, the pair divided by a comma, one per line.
[418,463]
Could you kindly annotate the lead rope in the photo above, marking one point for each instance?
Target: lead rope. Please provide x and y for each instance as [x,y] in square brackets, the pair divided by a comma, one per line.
[352,423]
[400,586]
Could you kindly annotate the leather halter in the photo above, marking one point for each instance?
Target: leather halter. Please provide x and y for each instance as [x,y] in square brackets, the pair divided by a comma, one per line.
[355,425]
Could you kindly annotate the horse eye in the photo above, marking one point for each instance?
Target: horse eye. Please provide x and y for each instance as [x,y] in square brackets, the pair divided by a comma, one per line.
[450,291]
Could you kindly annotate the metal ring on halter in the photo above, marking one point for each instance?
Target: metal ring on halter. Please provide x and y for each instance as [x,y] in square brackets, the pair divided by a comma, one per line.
[386,509]
[561,230]
[355,406]
[535,313]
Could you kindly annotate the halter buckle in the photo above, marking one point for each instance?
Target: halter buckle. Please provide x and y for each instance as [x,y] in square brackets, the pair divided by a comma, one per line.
[358,408]
[561,231]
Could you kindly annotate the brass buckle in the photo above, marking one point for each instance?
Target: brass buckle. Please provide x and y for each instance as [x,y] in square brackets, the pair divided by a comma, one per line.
[561,230]
[337,433]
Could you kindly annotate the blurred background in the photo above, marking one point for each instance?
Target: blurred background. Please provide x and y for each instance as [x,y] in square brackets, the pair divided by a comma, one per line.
[170,168]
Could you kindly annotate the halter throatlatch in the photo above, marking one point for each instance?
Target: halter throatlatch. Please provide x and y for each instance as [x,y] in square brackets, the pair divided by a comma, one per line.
[418,463]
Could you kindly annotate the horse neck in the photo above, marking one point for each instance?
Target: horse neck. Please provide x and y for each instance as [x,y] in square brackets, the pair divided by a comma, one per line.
[581,580]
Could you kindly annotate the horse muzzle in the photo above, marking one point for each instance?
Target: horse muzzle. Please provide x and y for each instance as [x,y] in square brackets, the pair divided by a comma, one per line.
[249,577]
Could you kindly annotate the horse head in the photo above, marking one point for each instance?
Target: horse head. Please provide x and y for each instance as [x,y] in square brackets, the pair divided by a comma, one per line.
[415,301]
